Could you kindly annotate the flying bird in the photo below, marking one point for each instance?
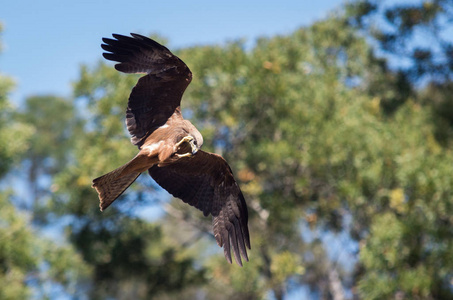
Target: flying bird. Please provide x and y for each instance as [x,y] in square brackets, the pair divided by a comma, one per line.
[170,146]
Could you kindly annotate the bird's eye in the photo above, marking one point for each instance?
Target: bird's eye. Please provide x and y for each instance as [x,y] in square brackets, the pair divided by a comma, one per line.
[195,142]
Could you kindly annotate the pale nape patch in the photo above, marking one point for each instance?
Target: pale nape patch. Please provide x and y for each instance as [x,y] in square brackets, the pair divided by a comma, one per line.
[153,147]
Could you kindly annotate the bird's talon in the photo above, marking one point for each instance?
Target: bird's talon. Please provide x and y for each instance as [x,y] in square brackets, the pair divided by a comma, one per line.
[184,139]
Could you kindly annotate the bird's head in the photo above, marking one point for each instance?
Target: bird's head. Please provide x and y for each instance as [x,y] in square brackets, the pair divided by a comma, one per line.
[193,145]
[189,145]
[190,142]
[198,140]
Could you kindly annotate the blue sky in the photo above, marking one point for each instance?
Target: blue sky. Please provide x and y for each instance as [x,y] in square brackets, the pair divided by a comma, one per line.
[45,42]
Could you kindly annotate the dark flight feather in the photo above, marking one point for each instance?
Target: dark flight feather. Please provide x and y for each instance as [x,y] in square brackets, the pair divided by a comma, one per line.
[157,95]
[206,182]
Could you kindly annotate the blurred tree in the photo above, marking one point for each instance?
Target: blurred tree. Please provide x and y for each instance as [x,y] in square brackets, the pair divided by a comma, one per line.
[13,136]
[307,157]
[16,256]
[311,142]
[416,37]
[413,32]
[55,120]
[336,153]
[27,263]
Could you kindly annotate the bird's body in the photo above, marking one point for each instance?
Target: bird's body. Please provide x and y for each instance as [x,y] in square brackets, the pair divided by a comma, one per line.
[169,145]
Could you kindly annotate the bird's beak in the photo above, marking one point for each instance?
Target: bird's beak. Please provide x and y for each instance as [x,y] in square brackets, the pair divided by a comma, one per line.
[194,147]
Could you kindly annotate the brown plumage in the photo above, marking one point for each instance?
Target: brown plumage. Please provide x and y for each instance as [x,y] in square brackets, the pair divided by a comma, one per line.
[169,146]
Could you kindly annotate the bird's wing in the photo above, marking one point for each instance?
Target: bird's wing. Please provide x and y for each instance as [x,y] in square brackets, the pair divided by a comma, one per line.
[206,182]
[157,95]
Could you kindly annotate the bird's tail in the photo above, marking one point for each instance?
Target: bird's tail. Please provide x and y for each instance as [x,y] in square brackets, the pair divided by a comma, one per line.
[111,185]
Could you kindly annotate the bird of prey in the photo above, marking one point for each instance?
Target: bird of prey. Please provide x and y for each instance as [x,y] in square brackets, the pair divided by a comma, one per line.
[170,146]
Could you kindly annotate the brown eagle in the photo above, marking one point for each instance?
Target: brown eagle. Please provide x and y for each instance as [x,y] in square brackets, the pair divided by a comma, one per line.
[170,146]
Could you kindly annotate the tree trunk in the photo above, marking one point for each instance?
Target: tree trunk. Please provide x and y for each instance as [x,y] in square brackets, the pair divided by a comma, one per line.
[335,286]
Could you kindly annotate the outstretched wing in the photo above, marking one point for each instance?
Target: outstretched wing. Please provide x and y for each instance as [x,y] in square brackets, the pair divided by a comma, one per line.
[206,182]
[157,95]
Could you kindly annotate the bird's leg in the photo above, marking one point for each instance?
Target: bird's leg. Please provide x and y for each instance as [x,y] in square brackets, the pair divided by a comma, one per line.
[184,139]
[189,139]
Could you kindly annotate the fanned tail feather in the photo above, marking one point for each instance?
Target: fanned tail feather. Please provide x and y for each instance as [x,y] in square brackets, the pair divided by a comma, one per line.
[111,185]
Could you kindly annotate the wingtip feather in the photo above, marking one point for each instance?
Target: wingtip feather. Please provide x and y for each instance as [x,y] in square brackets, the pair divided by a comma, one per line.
[139,36]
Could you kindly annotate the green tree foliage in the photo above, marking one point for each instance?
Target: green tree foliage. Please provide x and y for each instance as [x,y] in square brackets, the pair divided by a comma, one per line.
[30,265]
[311,143]
[414,31]
[55,120]
[416,36]
[27,262]
[16,252]
[13,136]
[16,240]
